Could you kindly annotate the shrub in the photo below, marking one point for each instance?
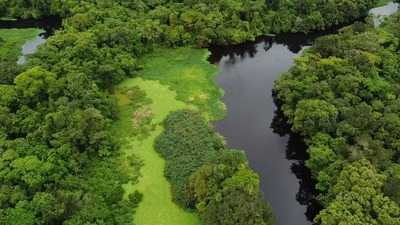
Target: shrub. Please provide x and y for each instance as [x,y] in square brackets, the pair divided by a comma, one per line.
[187,143]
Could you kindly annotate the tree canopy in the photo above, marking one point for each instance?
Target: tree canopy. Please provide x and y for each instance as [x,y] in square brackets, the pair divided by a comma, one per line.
[208,177]
[343,96]
[202,22]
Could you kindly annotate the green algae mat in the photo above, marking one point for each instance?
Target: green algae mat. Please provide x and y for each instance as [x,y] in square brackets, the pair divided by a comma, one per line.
[156,207]
[171,80]
[190,75]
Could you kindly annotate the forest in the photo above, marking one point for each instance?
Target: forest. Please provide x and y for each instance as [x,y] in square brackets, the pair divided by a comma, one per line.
[67,136]
[202,22]
[342,96]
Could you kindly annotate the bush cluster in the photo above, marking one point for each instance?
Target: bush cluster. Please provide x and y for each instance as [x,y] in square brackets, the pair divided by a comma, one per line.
[216,181]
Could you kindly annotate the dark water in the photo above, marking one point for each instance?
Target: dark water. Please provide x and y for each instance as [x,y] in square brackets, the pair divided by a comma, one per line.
[247,74]
[48,25]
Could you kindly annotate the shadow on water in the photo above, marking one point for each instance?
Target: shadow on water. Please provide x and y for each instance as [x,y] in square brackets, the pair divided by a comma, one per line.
[49,24]
[255,124]
[295,42]
[296,150]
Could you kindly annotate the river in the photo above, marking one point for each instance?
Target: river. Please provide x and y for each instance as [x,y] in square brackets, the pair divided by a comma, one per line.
[247,74]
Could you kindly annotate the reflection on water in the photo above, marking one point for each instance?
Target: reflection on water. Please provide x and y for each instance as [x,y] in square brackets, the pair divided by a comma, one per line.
[296,151]
[247,74]
[255,124]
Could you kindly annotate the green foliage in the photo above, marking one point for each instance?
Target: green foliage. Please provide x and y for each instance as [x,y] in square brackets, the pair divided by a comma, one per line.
[392,184]
[198,22]
[382,2]
[204,174]
[35,85]
[81,52]
[227,191]
[36,8]
[11,41]
[342,95]
[359,199]
[103,201]
[207,181]
[152,184]
[56,148]
[314,115]
[187,143]
[187,71]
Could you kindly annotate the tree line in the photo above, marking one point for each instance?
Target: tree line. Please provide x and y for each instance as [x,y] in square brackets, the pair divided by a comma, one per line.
[342,95]
[209,21]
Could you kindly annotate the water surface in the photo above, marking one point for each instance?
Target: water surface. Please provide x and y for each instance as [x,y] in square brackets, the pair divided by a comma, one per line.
[48,25]
[30,47]
[247,74]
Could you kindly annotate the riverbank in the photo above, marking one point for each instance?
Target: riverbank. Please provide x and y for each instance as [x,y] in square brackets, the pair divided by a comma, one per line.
[247,74]
[351,140]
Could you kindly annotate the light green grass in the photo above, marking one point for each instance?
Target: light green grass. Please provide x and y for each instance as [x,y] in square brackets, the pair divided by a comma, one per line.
[157,207]
[172,79]
[14,39]
[190,75]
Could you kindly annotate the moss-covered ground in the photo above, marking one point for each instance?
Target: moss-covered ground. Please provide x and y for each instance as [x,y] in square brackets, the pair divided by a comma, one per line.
[171,80]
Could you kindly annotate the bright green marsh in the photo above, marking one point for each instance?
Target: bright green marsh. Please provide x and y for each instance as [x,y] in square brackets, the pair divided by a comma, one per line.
[187,71]
[156,207]
[171,80]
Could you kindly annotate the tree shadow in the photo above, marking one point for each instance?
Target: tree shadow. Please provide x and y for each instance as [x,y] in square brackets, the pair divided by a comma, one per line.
[296,151]
[48,24]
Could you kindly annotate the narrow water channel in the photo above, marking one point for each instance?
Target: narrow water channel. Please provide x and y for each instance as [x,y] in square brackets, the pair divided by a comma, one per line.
[47,25]
[247,74]
[30,47]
